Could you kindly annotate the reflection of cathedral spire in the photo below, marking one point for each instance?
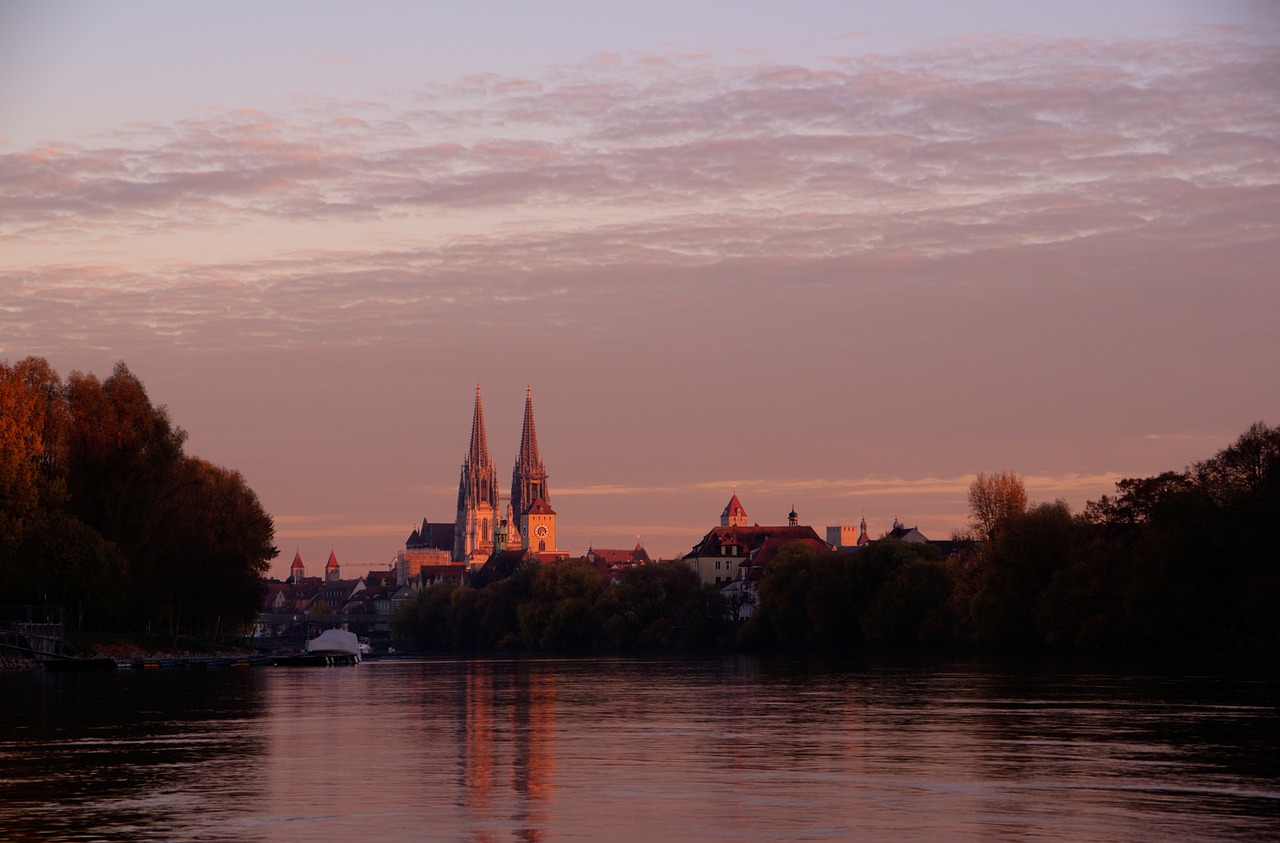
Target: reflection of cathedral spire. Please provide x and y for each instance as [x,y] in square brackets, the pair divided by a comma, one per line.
[529,477]
[477,495]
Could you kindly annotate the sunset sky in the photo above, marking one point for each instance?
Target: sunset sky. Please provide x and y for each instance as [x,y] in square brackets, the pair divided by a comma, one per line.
[838,255]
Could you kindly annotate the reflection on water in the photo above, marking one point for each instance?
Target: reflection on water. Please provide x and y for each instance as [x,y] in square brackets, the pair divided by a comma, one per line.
[639,749]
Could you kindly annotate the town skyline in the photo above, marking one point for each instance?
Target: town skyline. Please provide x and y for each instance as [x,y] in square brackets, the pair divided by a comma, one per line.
[837,258]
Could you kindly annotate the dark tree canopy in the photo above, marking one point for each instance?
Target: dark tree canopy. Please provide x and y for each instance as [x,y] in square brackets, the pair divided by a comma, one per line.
[103,511]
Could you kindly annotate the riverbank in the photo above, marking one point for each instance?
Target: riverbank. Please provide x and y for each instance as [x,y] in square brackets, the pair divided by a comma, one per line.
[125,648]
[12,661]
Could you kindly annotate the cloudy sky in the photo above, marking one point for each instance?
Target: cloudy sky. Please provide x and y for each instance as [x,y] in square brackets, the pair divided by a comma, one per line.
[838,255]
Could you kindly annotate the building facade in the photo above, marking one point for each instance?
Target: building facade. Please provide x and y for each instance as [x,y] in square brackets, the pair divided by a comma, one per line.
[719,556]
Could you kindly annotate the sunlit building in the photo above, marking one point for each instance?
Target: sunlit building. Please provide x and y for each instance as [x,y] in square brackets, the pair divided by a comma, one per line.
[718,556]
[483,526]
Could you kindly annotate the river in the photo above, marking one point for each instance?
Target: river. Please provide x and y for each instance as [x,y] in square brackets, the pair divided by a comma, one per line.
[732,748]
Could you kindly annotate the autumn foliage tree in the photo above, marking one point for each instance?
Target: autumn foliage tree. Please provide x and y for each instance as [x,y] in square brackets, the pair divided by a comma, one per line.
[101,510]
[993,500]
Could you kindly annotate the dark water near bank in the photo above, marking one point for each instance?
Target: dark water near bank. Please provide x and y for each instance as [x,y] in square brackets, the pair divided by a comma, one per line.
[624,749]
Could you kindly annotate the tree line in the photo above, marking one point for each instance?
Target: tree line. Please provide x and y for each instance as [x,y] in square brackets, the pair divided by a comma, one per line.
[102,511]
[1179,562]
[568,605]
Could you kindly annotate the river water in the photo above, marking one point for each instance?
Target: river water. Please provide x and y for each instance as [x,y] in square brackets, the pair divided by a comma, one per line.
[734,748]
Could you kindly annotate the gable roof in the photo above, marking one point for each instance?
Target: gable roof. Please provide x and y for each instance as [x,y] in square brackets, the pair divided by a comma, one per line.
[541,507]
[901,532]
[748,539]
[500,565]
[615,556]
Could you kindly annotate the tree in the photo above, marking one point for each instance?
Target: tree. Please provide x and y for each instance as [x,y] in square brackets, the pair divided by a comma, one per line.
[992,500]
[1028,550]
[911,605]
[1246,466]
[20,449]
[558,611]
[664,604]
[804,602]
[216,543]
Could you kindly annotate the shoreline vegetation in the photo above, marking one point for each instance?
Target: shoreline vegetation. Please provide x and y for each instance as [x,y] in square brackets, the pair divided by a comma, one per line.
[103,513]
[1183,562]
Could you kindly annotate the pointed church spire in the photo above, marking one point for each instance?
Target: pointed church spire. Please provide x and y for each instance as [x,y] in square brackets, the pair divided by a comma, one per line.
[529,477]
[477,495]
[528,434]
[478,454]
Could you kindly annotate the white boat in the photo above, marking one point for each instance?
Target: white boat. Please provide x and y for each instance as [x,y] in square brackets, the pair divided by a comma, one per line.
[335,642]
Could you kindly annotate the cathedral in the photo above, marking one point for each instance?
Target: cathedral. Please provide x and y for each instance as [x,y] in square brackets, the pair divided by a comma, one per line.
[483,526]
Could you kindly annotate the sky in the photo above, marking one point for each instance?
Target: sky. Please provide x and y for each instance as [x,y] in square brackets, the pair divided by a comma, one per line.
[840,256]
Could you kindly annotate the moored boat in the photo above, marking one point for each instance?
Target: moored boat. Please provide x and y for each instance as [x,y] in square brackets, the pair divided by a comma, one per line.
[333,646]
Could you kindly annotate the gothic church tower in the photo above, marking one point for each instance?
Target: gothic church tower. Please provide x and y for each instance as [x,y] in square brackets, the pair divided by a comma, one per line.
[529,477]
[477,497]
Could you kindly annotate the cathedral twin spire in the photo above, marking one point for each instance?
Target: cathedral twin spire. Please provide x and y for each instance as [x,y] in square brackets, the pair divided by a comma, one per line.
[529,476]
[478,454]
[478,520]
[479,482]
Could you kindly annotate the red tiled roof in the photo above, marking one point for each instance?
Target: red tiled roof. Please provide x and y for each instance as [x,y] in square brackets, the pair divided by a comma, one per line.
[613,556]
[749,538]
[444,571]
[734,508]
[540,507]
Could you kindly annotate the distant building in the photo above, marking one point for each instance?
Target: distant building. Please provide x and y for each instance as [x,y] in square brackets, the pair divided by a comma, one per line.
[483,526]
[844,536]
[612,563]
[912,535]
[716,558]
[430,546]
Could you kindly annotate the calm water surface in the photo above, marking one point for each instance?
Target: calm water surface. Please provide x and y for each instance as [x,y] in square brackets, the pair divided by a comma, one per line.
[640,749]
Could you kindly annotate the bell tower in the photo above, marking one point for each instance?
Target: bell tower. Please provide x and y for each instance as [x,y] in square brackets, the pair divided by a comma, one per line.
[539,527]
[529,477]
